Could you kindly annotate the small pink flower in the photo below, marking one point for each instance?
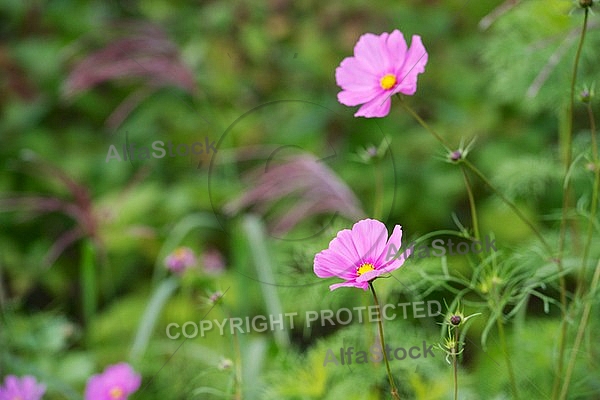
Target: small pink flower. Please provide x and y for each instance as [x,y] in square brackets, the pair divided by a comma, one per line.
[180,259]
[361,254]
[25,388]
[381,67]
[117,382]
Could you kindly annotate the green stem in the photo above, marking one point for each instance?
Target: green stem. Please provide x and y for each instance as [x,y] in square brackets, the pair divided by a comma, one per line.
[509,203]
[593,131]
[472,206]
[238,355]
[511,374]
[580,332]
[394,390]
[593,205]
[565,206]
[424,124]
[455,363]
[2,295]
[88,281]
[238,367]
[481,176]
[378,208]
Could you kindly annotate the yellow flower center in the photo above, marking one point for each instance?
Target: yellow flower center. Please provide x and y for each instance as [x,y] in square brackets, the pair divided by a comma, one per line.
[366,267]
[388,81]
[180,252]
[116,393]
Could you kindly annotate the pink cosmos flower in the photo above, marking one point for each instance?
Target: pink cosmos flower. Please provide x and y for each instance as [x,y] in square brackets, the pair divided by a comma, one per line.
[25,388]
[180,259]
[117,382]
[361,254]
[381,67]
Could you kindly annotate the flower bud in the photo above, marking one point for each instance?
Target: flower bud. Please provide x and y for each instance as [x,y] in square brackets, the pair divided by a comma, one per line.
[590,167]
[225,364]
[585,96]
[455,155]
[214,298]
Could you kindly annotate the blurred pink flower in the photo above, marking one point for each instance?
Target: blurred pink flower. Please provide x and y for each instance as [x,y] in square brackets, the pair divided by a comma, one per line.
[117,382]
[213,261]
[360,255]
[180,260]
[381,67]
[25,388]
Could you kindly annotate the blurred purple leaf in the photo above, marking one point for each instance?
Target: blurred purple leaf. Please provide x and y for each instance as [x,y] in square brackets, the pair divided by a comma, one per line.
[311,186]
[143,53]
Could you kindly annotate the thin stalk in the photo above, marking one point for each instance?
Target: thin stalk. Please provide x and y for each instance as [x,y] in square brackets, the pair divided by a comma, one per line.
[565,206]
[580,288]
[593,205]
[424,124]
[378,207]
[593,131]
[238,358]
[394,389]
[509,203]
[89,282]
[238,367]
[2,292]
[580,332]
[511,374]
[455,365]
[472,206]
[455,362]
[481,176]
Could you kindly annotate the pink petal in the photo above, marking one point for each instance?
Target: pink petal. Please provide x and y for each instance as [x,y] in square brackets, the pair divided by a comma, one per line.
[370,53]
[414,64]
[395,49]
[396,239]
[378,107]
[118,375]
[351,75]
[11,382]
[329,263]
[363,285]
[355,98]
[369,237]
[94,387]
[124,376]
[358,85]
[394,242]
[367,276]
[343,244]
[340,259]
[31,386]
